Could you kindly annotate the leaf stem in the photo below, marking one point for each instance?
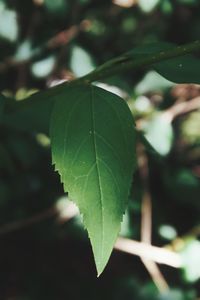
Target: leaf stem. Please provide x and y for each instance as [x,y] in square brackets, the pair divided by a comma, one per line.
[120,66]
[113,67]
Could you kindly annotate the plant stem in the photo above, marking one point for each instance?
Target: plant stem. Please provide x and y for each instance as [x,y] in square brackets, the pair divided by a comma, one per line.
[113,67]
[133,63]
[159,255]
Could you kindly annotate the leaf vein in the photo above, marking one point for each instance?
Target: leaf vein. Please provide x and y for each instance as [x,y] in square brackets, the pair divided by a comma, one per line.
[111,172]
[98,170]
[110,146]
[122,127]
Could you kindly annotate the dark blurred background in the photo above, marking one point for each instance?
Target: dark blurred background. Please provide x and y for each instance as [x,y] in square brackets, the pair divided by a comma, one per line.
[44,251]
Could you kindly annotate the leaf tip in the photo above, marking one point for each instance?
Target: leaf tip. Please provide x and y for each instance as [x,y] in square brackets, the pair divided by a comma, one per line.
[101,259]
[100,268]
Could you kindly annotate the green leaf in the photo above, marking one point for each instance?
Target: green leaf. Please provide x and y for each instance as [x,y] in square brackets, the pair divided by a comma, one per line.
[93,148]
[182,69]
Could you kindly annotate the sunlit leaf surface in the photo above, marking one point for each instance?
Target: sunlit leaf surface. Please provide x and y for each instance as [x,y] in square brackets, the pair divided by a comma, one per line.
[93,146]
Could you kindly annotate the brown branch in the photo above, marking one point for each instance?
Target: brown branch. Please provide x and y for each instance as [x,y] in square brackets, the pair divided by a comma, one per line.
[146,218]
[146,221]
[156,254]
[181,108]
[64,211]
[159,255]
[125,3]
[63,37]
[38,2]
[59,40]
[17,225]
[146,232]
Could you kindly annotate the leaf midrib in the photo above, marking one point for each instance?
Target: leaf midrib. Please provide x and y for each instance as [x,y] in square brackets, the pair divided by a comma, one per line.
[98,169]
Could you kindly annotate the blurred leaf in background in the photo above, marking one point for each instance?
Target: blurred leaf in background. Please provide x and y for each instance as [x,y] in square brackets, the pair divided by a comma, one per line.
[56,6]
[81,62]
[191,260]
[148,5]
[44,67]
[8,23]
[159,133]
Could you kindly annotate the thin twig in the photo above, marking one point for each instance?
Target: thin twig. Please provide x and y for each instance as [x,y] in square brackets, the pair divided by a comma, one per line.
[181,108]
[59,40]
[146,219]
[17,225]
[130,63]
[64,211]
[156,275]
[146,222]
[157,254]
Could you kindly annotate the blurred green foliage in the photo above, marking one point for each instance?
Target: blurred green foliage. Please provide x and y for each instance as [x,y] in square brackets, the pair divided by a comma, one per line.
[43,43]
